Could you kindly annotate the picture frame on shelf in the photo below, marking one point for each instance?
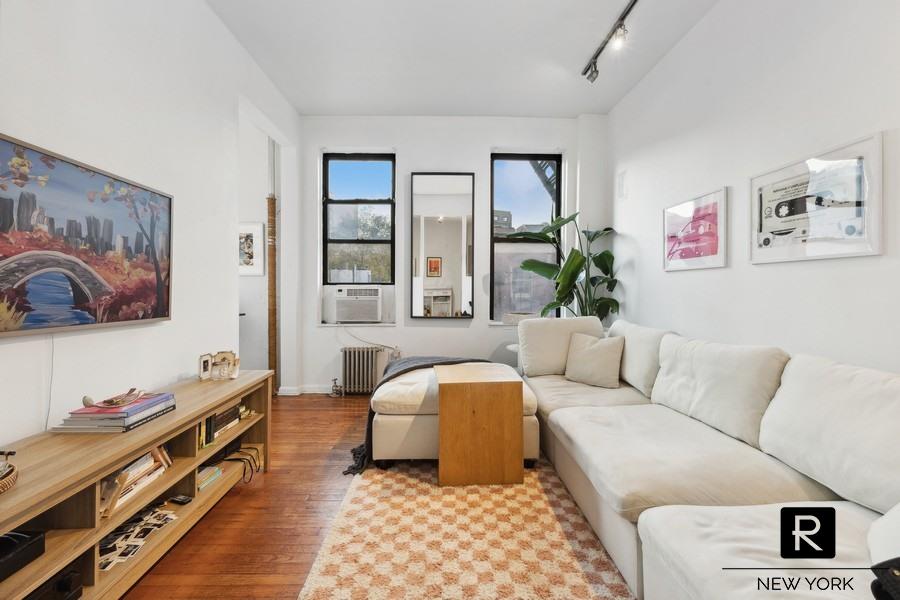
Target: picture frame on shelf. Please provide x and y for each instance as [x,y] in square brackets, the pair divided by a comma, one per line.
[828,205]
[695,233]
[251,249]
[205,367]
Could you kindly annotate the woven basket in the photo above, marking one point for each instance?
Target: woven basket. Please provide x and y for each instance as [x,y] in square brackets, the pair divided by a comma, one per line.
[10,480]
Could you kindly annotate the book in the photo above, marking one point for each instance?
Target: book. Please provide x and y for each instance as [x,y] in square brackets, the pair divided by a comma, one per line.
[146,480]
[142,403]
[111,420]
[76,428]
[207,475]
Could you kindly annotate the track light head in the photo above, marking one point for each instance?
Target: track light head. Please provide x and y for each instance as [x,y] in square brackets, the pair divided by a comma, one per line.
[593,73]
[619,36]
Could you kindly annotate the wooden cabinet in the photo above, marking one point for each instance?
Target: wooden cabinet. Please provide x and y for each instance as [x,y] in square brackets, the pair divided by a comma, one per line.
[59,483]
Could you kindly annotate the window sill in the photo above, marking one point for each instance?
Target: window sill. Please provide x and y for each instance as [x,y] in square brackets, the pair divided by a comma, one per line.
[501,324]
[325,325]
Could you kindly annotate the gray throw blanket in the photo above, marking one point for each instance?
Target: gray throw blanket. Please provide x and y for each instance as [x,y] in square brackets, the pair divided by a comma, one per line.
[362,454]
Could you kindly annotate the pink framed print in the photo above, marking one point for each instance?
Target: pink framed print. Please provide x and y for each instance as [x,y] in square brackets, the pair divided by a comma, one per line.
[695,233]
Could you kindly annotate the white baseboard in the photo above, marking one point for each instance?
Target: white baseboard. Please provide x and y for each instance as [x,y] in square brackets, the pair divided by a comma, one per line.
[313,388]
[288,390]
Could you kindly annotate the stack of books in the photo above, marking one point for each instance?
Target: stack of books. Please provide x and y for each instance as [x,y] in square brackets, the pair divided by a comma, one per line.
[215,425]
[118,489]
[207,475]
[102,418]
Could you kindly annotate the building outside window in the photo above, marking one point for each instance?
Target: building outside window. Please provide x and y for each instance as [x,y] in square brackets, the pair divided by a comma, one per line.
[358,219]
[525,196]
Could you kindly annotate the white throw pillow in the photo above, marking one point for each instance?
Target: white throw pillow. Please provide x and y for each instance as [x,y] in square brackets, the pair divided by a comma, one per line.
[594,361]
[544,343]
[884,537]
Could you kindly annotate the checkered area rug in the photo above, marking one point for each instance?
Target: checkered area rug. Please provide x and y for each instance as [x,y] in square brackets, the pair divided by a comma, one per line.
[398,535]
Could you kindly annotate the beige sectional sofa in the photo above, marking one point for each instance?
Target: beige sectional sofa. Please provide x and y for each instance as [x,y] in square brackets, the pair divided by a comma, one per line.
[683,469]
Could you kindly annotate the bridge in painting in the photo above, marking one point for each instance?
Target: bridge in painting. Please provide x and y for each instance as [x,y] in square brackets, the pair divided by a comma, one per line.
[86,282]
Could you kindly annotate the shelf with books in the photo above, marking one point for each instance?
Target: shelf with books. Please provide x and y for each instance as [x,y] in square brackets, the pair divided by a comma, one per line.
[116,581]
[62,477]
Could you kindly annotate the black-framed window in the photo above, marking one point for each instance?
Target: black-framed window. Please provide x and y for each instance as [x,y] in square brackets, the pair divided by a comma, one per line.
[358,193]
[526,195]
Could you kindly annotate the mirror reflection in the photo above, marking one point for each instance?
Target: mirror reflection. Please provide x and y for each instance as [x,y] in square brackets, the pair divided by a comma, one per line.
[442,244]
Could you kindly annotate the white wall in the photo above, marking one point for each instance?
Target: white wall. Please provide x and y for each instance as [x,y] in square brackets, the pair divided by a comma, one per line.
[753,86]
[462,144]
[253,188]
[127,86]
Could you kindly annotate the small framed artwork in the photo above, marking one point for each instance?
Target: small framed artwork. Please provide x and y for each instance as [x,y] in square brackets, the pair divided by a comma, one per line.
[433,266]
[251,253]
[826,206]
[696,233]
[205,367]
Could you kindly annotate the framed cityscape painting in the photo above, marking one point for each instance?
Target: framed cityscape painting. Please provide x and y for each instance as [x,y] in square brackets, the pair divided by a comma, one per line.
[826,206]
[696,233]
[79,247]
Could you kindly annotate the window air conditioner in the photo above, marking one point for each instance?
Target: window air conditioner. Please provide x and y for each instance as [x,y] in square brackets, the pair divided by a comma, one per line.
[358,305]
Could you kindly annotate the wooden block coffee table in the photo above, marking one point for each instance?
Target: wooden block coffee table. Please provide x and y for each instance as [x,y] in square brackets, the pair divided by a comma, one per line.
[480,425]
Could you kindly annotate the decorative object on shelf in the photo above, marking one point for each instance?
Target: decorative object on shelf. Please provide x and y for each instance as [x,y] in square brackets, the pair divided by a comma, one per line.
[574,281]
[696,233]
[81,247]
[8,472]
[121,400]
[434,266]
[225,365]
[205,367]
[827,206]
[251,252]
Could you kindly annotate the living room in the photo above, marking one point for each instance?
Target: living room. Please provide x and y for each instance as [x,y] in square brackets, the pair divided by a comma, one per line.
[578,300]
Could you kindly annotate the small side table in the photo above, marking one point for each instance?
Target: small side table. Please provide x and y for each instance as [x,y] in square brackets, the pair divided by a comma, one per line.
[480,425]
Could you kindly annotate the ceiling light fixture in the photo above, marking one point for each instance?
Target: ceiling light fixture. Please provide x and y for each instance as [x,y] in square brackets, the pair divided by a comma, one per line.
[619,36]
[616,37]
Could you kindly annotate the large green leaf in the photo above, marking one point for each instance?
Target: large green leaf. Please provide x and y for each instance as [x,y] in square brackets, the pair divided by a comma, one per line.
[558,223]
[568,274]
[592,235]
[604,262]
[550,307]
[603,306]
[533,236]
[609,282]
[539,267]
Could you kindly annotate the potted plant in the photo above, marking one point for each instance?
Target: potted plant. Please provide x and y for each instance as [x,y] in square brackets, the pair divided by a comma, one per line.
[579,287]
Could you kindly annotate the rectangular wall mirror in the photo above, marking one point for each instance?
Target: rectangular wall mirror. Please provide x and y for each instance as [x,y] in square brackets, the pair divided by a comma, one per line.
[443,206]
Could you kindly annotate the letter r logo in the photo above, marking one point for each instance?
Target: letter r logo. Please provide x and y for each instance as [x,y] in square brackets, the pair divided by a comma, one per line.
[808,532]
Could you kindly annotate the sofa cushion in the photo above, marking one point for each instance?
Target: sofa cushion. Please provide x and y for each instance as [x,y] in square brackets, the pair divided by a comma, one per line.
[555,391]
[884,537]
[544,343]
[725,386]
[640,357]
[840,425]
[594,361]
[688,546]
[638,457]
[416,393]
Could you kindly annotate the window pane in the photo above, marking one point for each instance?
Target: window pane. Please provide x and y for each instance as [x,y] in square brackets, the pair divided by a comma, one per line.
[360,179]
[359,222]
[524,194]
[516,290]
[359,263]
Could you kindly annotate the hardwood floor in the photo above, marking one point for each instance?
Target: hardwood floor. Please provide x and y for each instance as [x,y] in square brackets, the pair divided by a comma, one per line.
[261,539]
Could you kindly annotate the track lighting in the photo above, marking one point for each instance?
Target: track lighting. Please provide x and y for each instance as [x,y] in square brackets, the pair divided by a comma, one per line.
[615,37]
[619,36]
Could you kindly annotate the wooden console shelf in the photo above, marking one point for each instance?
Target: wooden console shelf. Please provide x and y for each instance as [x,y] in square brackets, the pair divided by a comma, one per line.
[58,490]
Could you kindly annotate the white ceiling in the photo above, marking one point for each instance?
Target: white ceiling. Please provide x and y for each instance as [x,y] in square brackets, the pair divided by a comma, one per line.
[459,57]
